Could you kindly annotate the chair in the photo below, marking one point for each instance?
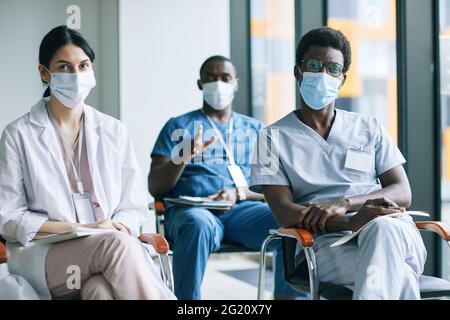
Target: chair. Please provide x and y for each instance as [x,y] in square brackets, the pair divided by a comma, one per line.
[3,253]
[226,247]
[157,241]
[305,277]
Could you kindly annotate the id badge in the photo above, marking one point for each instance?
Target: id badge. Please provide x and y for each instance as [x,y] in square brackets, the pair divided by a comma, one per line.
[238,176]
[83,207]
[359,160]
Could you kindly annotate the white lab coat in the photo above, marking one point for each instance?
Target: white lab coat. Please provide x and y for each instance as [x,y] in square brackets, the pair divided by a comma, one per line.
[34,186]
[13,287]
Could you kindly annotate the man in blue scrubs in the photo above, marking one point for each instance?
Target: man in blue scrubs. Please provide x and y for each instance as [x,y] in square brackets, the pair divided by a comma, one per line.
[207,152]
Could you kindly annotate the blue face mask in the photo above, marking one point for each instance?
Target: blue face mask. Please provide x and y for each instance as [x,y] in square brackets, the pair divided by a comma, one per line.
[318,90]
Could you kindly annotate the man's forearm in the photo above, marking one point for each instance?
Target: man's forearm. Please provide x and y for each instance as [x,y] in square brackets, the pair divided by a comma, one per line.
[289,215]
[164,177]
[339,223]
[395,192]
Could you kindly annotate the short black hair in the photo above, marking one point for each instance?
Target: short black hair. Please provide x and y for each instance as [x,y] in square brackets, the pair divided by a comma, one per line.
[325,37]
[212,59]
[56,39]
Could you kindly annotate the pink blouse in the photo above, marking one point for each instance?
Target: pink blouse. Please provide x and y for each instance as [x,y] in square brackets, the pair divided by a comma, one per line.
[72,153]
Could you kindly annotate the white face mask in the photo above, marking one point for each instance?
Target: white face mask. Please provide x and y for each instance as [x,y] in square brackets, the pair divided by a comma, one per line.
[71,89]
[218,95]
[319,89]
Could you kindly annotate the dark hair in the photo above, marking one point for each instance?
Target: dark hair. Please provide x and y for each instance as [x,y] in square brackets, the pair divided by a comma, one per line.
[211,60]
[58,38]
[325,37]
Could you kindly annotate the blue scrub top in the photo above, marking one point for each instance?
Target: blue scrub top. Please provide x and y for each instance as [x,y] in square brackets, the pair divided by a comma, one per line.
[208,174]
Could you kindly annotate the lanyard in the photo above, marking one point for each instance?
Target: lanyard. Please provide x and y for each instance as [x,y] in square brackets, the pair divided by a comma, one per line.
[80,147]
[76,171]
[228,146]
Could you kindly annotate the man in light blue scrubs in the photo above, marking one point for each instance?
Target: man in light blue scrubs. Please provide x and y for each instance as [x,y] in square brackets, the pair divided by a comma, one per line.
[326,163]
[203,153]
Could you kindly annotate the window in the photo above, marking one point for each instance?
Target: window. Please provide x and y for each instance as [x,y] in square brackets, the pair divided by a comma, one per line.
[371,85]
[272,31]
[444,43]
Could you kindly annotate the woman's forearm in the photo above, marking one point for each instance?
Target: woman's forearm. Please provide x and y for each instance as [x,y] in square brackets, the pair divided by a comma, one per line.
[56,226]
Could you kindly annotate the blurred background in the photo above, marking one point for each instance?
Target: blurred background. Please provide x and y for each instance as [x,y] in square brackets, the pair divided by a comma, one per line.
[149,53]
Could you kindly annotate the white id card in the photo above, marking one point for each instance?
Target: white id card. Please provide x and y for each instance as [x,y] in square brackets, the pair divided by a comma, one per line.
[238,176]
[359,160]
[83,207]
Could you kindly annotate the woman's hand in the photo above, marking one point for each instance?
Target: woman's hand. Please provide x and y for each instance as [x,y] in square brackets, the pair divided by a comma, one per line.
[316,215]
[229,195]
[373,209]
[107,224]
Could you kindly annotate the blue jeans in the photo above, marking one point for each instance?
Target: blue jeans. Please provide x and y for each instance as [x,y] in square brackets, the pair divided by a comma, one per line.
[197,232]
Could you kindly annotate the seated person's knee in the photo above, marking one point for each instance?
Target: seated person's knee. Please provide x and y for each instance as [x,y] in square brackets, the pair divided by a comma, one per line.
[197,224]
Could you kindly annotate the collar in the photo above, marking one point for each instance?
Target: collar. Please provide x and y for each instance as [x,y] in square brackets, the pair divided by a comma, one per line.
[39,116]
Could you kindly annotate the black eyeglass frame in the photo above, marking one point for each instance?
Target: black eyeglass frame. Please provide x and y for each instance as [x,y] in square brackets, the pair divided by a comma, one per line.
[326,67]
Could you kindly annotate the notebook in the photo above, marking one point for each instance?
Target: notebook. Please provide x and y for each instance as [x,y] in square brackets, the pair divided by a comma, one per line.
[202,202]
[75,232]
[349,237]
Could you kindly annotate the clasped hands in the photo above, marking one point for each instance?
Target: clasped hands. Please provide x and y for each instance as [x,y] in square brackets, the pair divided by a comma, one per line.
[316,216]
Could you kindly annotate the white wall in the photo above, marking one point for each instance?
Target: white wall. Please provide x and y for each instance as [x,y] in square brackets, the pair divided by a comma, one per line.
[162,45]
[24,23]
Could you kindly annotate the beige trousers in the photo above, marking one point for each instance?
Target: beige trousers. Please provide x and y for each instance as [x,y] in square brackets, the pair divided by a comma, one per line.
[112,265]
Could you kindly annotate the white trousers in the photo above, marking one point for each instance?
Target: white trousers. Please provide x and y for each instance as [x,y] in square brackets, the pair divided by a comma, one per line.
[384,262]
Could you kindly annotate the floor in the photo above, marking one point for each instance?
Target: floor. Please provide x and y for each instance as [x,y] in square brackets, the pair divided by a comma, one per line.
[228,276]
[234,277]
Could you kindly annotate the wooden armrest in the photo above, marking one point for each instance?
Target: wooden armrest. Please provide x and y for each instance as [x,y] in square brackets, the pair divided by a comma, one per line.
[157,241]
[441,228]
[3,253]
[303,236]
[160,207]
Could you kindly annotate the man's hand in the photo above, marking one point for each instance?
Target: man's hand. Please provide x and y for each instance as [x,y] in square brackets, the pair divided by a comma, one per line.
[225,195]
[107,224]
[198,145]
[373,209]
[316,215]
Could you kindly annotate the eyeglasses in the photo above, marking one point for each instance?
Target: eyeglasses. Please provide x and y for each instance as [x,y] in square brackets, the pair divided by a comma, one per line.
[316,65]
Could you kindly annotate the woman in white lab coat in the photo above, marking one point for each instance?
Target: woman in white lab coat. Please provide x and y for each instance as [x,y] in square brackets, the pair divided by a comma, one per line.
[65,164]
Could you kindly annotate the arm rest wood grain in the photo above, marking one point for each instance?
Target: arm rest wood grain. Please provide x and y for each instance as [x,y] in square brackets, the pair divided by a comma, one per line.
[157,241]
[159,206]
[441,228]
[303,236]
[3,253]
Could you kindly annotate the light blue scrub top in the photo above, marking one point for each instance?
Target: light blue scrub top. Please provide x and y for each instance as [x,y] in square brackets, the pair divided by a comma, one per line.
[314,168]
[207,175]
